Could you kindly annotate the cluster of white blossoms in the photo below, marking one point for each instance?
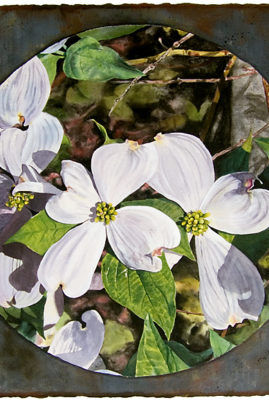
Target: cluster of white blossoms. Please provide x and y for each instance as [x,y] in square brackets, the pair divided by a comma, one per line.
[176,165]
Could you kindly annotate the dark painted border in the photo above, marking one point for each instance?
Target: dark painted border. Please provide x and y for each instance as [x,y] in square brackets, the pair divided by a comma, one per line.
[24,369]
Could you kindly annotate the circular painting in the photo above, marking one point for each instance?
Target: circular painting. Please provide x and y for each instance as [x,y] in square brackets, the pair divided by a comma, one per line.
[134,207]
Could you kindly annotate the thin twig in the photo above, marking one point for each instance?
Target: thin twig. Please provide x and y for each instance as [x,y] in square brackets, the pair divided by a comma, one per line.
[186,80]
[151,67]
[189,312]
[238,144]
[223,333]
[172,51]
[211,113]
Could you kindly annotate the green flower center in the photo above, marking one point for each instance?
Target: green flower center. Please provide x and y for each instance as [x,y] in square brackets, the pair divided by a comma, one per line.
[105,212]
[195,222]
[19,200]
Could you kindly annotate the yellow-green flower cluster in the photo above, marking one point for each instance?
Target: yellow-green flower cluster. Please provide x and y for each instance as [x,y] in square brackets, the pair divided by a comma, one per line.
[196,222]
[105,212]
[19,200]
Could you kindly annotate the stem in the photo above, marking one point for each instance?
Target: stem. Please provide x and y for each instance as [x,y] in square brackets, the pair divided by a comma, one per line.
[238,144]
[189,312]
[172,51]
[223,333]
[187,80]
[151,67]
[210,115]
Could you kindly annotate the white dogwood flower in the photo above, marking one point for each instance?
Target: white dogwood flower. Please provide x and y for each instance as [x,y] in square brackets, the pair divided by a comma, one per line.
[231,288]
[134,232]
[27,135]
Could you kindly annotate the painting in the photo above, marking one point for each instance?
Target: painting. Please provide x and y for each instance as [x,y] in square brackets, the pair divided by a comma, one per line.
[134,213]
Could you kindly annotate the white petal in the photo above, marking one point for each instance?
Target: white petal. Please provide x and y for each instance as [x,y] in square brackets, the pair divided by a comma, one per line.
[233,208]
[172,258]
[185,171]
[72,260]
[54,47]
[78,180]
[107,371]
[8,294]
[138,231]
[77,345]
[118,170]
[96,283]
[24,93]
[53,308]
[31,181]
[231,288]
[43,140]
[12,142]
[77,203]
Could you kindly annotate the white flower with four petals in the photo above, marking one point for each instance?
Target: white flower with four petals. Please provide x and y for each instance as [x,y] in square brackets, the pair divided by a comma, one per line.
[231,288]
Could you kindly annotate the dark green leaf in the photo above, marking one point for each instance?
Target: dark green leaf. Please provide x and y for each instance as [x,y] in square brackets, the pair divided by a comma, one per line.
[254,245]
[173,211]
[50,63]
[189,357]
[219,345]
[88,60]
[246,331]
[34,315]
[130,368]
[27,330]
[142,292]
[235,161]
[154,356]
[40,232]
[263,143]
[110,32]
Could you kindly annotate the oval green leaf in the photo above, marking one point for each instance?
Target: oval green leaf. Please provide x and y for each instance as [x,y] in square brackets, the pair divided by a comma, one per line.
[142,292]
[110,32]
[154,356]
[88,60]
[40,232]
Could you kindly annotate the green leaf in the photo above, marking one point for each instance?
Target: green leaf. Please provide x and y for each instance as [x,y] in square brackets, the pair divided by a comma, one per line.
[130,368]
[13,312]
[117,337]
[247,146]
[235,161]
[3,313]
[142,292]
[40,232]
[110,32]
[263,143]
[166,206]
[189,357]
[154,356]
[27,331]
[34,315]
[104,133]
[50,63]
[173,211]
[63,154]
[88,60]
[246,331]
[254,246]
[219,345]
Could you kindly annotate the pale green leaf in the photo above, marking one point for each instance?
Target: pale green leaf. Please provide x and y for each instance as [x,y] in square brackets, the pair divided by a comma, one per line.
[247,146]
[88,60]
[40,232]
[219,345]
[50,63]
[104,133]
[110,32]
[154,356]
[117,337]
[142,292]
